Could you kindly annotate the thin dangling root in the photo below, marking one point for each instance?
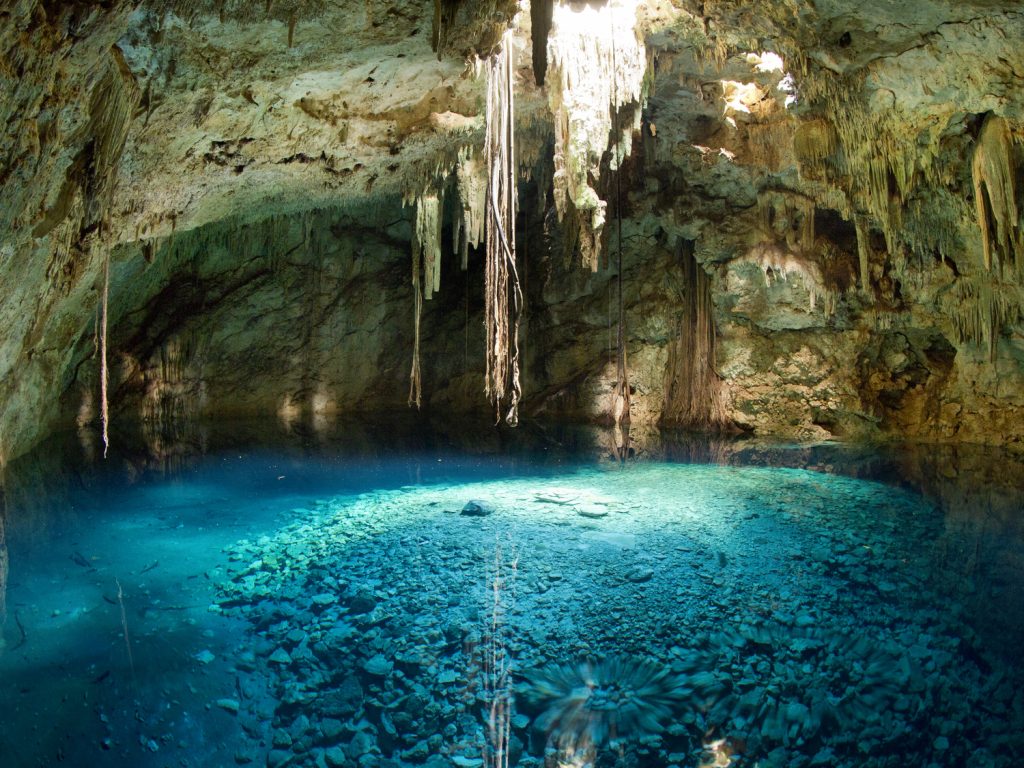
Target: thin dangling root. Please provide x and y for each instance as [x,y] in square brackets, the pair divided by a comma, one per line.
[104,371]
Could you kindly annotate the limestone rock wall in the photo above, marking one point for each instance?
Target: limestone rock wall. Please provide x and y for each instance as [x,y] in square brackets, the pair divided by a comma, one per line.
[829,168]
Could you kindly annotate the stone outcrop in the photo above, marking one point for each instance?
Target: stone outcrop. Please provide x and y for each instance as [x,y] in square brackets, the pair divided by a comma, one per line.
[843,177]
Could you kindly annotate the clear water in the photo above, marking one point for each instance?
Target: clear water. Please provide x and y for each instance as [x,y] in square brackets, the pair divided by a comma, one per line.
[254,597]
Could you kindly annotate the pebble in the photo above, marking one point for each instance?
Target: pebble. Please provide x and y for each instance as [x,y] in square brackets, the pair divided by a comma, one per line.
[640,575]
[323,600]
[384,664]
[280,656]
[378,666]
[228,705]
[477,509]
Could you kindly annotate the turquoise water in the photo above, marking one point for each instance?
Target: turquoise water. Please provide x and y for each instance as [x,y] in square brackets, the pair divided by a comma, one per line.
[400,595]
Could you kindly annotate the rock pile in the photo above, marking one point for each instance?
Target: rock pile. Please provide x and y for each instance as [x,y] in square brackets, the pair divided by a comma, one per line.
[788,625]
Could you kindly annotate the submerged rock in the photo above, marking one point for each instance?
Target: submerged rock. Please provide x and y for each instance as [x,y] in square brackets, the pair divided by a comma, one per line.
[280,656]
[477,509]
[228,705]
[378,666]
[640,575]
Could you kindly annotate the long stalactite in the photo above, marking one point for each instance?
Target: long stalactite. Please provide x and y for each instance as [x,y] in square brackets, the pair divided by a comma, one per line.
[597,68]
[995,195]
[426,275]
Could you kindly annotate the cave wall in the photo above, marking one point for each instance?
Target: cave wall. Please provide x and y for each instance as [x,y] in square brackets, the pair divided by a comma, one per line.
[245,177]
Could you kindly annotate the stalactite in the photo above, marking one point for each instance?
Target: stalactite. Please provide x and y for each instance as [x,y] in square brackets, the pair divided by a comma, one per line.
[788,216]
[471,214]
[779,264]
[927,234]
[693,397]
[503,296]
[863,252]
[993,171]
[814,142]
[879,156]
[597,67]
[540,26]
[981,308]
[765,142]
[426,272]
[621,411]
[426,242]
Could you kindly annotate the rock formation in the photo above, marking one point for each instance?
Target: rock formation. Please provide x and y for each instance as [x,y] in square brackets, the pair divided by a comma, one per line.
[820,208]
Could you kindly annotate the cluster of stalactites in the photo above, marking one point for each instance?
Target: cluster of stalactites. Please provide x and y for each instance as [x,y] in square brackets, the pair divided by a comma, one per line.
[981,308]
[426,272]
[483,209]
[471,210]
[597,65]
[426,240]
[789,217]
[863,231]
[877,158]
[777,263]
[993,170]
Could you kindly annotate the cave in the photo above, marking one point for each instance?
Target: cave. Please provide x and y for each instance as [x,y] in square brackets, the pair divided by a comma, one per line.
[494,383]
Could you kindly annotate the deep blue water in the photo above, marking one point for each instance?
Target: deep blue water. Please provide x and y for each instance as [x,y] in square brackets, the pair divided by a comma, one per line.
[244,595]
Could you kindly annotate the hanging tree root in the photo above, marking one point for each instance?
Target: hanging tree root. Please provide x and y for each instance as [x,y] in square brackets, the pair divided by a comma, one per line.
[502,278]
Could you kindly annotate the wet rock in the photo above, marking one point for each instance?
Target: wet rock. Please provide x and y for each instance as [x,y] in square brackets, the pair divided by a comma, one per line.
[332,729]
[335,758]
[378,666]
[417,753]
[280,656]
[363,743]
[640,575]
[342,701]
[282,740]
[228,705]
[323,600]
[476,508]
[363,601]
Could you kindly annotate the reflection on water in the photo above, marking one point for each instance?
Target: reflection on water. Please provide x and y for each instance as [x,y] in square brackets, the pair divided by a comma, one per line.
[4,568]
[403,594]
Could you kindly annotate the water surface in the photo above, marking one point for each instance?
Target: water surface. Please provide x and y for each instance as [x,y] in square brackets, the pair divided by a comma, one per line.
[402,595]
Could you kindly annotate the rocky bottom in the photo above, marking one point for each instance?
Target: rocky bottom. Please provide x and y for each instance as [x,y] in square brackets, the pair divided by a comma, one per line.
[653,615]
